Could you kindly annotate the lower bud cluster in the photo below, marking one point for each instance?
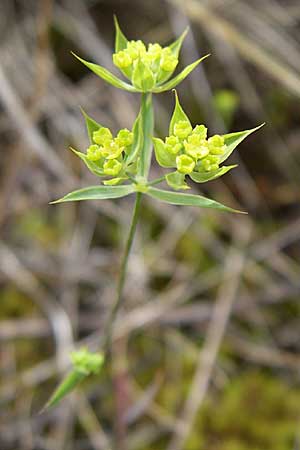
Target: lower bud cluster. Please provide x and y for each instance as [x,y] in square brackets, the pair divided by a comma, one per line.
[194,151]
[108,152]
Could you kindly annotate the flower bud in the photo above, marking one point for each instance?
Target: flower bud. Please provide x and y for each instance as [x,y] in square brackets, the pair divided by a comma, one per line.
[102,135]
[122,59]
[94,153]
[209,164]
[185,164]
[86,362]
[168,61]
[154,51]
[200,130]
[112,167]
[173,145]
[111,149]
[216,145]
[124,138]
[135,49]
[182,129]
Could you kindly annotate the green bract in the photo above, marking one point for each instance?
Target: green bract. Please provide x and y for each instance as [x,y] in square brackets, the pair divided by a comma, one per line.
[147,67]
[84,364]
[189,151]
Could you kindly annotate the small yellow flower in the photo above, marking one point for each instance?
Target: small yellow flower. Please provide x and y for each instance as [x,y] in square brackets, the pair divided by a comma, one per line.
[112,167]
[185,164]
[173,145]
[94,153]
[102,135]
[182,129]
[124,138]
[122,59]
[111,149]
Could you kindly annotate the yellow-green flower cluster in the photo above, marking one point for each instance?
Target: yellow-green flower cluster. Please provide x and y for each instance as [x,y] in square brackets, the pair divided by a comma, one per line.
[86,362]
[107,151]
[159,60]
[194,151]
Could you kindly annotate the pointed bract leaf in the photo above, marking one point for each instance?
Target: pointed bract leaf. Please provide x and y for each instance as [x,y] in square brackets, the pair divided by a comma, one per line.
[176,180]
[232,140]
[114,181]
[107,76]
[142,77]
[120,40]
[97,193]
[164,158]
[176,198]
[91,125]
[137,141]
[171,84]
[176,45]
[178,114]
[91,165]
[202,177]
[69,383]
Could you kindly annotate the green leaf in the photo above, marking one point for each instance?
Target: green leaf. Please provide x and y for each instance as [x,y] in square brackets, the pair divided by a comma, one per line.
[91,125]
[97,193]
[232,140]
[202,177]
[163,157]
[176,180]
[180,77]
[120,40]
[91,165]
[146,119]
[176,198]
[176,45]
[142,77]
[178,115]
[107,76]
[69,383]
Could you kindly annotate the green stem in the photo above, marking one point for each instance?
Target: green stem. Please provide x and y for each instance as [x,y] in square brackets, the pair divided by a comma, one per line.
[123,271]
[147,129]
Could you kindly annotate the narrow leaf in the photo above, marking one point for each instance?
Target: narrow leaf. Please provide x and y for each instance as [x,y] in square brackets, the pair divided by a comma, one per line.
[232,140]
[202,177]
[91,125]
[107,76]
[120,40]
[175,198]
[180,77]
[164,158]
[69,383]
[178,115]
[91,165]
[97,193]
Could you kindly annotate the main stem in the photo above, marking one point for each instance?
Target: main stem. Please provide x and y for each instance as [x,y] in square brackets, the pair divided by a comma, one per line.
[123,271]
[146,117]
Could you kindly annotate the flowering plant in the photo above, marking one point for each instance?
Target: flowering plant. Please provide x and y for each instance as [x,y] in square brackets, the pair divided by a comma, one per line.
[122,162]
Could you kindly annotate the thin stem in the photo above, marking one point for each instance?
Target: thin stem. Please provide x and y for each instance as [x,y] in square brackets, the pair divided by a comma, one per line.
[123,271]
[156,181]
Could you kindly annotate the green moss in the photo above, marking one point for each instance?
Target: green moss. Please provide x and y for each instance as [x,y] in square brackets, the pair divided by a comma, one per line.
[255,412]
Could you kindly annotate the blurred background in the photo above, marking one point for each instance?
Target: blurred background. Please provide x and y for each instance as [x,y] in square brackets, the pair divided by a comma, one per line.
[207,348]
